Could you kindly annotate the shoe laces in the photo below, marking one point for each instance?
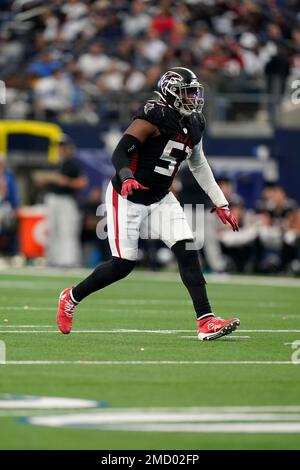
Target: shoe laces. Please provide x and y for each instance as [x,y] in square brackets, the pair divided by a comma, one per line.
[69,308]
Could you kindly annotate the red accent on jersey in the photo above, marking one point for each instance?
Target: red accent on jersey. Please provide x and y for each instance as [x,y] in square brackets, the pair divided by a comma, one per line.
[116,220]
[185,139]
[134,162]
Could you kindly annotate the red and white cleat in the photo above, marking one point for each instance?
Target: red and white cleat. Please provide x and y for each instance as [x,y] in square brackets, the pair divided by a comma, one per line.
[65,312]
[214,327]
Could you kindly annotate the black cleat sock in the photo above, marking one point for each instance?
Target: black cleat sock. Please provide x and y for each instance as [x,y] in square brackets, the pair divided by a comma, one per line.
[105,274]
[192,277]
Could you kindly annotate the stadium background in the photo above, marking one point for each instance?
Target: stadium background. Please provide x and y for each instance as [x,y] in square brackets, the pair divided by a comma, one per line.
[133,362]
[87,65]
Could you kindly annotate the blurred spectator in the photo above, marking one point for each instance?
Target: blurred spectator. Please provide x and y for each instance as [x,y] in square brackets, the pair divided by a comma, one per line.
[153,48]
[74,9]
[214,230]
[275,203]
[277,71]
[11,52]
[138,20]
[269,235]
[52,95]
[291,244]
[64,220]
[164,23]
[50,24]
[276,215]
[112,79]
[9,202]
[45,66]
[9,190]
[252,61]
[134,80]
[253,43]
[239,247]
[94,61]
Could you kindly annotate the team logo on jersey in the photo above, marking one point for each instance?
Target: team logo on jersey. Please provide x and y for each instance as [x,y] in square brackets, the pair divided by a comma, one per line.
[148,107]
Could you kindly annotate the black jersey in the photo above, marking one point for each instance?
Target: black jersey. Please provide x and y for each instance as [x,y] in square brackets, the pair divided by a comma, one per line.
[159,157]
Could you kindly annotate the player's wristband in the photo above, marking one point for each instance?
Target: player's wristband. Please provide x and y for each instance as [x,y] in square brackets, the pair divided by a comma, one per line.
[125,174]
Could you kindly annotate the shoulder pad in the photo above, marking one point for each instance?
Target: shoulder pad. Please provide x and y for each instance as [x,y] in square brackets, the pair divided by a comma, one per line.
[198,119]
[152,111]
[197,126]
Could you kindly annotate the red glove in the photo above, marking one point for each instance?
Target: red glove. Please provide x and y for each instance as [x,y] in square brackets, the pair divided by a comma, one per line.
[226,216]
[130,185]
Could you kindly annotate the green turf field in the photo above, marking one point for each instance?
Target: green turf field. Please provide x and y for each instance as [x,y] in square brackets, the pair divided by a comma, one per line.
[134,346]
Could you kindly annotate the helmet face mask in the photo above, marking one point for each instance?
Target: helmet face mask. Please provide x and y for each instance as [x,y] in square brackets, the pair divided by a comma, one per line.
[181,90]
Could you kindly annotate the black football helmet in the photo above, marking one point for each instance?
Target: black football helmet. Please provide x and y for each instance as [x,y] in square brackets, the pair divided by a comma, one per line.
[180,89]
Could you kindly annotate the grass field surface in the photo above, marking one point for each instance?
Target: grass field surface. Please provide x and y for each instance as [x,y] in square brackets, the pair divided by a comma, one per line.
[132,375]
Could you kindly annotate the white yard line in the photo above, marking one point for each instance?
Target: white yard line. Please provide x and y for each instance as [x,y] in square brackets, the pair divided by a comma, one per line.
[138,302]
[145,363]
[33,402]
[212,420]
[165,332]
[141,276]
[219,428]
[139,331]
[26,307]
[16,284]
[269,331]
[98,307]
[27,326]
[225,337]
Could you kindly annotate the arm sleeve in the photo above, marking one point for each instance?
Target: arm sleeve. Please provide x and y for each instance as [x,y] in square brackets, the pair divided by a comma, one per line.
[122,156]
[203,174]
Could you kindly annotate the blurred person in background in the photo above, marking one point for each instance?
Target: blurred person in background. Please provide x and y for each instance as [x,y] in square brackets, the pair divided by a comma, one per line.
[275,202]
[291,244]
[52,95]
[239,251]
[151,49]
[44,65]
[164,22]
[212,248]
[248,41]
[274,214]
[137,20]
[277,71]
[63,215]
[9,202]
[11,54]
[94,61]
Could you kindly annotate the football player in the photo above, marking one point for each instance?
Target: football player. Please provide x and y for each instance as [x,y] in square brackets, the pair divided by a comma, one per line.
[163,134]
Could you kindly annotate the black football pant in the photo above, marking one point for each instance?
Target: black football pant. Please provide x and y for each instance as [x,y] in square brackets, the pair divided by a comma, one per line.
[117,268]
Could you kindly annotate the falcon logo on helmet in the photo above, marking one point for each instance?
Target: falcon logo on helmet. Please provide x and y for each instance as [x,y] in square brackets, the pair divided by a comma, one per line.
[180,89]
